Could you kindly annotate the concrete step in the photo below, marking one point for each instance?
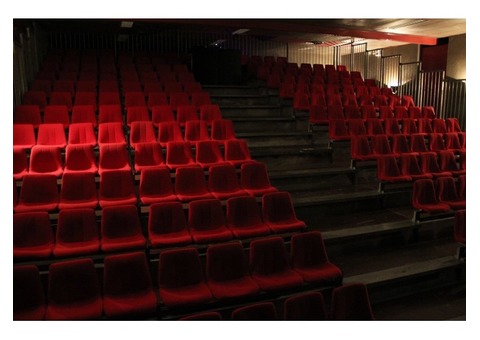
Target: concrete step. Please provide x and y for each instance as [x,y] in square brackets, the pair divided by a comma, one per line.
[244,99]
[265,110]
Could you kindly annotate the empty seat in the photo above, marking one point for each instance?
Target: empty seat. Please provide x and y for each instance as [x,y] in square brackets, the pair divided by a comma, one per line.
[429,164]
[137,114]
[77,233]
[110,114]
[46,160]
[424,126]
[436,142]
[23,136]
[310,259]
[56,114]
[134,99]
[167,225]
[279,214]
[410,166]
[156,186]
[196,131]
[400,145]
[121,229]
[116,188]
[254,179]
[447,193]
[236,152]
[222,130]
[338,130]
[111,133]
[39,193]
[428,112]
[29,302]
[207,153]
[127,287]
[86,99]
[335,112]
[74,291]
[108,98]
[84,114]
[352,112]
[360,149]
[388,170]
[20,163]
[400,112]
[32,235]
[453,125]
[381,146]
[356,127]
[156,98]
[425,197]
[391,126]
[351,302]
[141,132]
[417,143]
[82,133]
[375,127]
[227,272]
[80,158]
[452,142]
[52,135]
[301,101]
[206,221]
[190,184]
[385,112]
[178,98]
[38,98]
[270,267]
[179,154]
[61,98]
[186,287]
[308,306]
[261,311]
[113,156]
[244,218]
[210,112]
[439,126]
[78,190]
[169,131]
[448,162]
[415,112]
[223,182]
[368,111]
[200,98]
[148,155]
[162,113]
[318,115]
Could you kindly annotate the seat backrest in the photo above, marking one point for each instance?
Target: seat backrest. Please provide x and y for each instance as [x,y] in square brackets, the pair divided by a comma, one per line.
[208,152]
[179,153]
[243,211]
[169,131]
[51,134]
[148,154]
[196,130]
[166,217]
[79,157]
[268,256]
[223,178]
[32,229]
[236,150]
[222,129]
[305,306]
[82,133]
[120,221]
[351,302]
[39,189]
[116,183]
[308,250]
[277,207]
[254,175]
[109,113]
[162,113]
[170,260]
[76,225]
[45,159]
[205,214]
[262,311]
[72,181]
[29,302]
[23,136]
[225,262]
[446,189]
[424,192]
[155,181]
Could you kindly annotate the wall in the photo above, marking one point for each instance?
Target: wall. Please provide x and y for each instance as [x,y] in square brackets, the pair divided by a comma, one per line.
[409,53]
[456,59]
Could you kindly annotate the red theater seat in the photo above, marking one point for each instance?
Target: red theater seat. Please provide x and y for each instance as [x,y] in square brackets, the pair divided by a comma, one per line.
[227,272]
[121,229]
[77,233]
[169,131]
[448,162]
[29,301]
[23,136]
[167,225]
[78,190]
[254,179]
[244,218]
[82,133]
[38,193]
[279,214]
[52,135]
[61,98]
[133,98]
[410,166]
[223,182]
[156,186]
[425,197]
[270,267]
[308,306]
[20,163]
[206,222]
[388,170]
[74,291]
[80,158]
[137,114]
[351,303]
[222,130]
[32,235]
[182,288]
[207,154]
[113,156]
[210,112]
[261,311]
[447,193]
[196,131]
[178,155]
[236,152]
[310,259]
[141,132]
[110,114]
[111,133]
[127,287]
[148,155]
[56,114]
[46,160]
[200,98]
[116,188]
[162,113]
[84,114]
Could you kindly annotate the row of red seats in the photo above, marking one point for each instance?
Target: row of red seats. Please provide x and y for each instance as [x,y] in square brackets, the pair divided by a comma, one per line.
[365,147]
[86,113]
[424,166]
[78,234]
[75,291]
[350,302]
[343,129]
[39,192]
[439,195]
[115,156]
[111,97]
[53,134]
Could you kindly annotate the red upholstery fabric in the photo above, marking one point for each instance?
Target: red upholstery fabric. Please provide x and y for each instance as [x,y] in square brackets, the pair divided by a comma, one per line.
[318,114]
[262,311]
[121,229]
[56,114]
[167,225]
[279,214]
[134,99]
[23,136]
[110,114]
[77,233]
[244,218]
[236,152]
[436,142]
[411,167]
[32,235]
[447,193]
[162,113]
[254,179]
[269,265]
[338,130]
[200,98]
[82,133]
[222,130]
[439,126]
[360,149]
[20,163]
[227,272]
[400,145]
[74,291]
[29,301]
[429,164]
[351,302]
[116,188]
[156,186]
[141,132]
[206,221]
[38,98]
[210,112]
[38,193]
[182,288]
[46,160]
[417,143]
[80,158]
[391,126]
[381,146]
[137,114]
[223,182]
[78,190]
[425,197]
[52,135]
[305,307]
[356,127]
[113,156]
[178,155]
[448,162]
[148,155]
[388,170]
[196,131]
[190,184]
[127,287]
[169,131]
[111,133]
[310,259]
